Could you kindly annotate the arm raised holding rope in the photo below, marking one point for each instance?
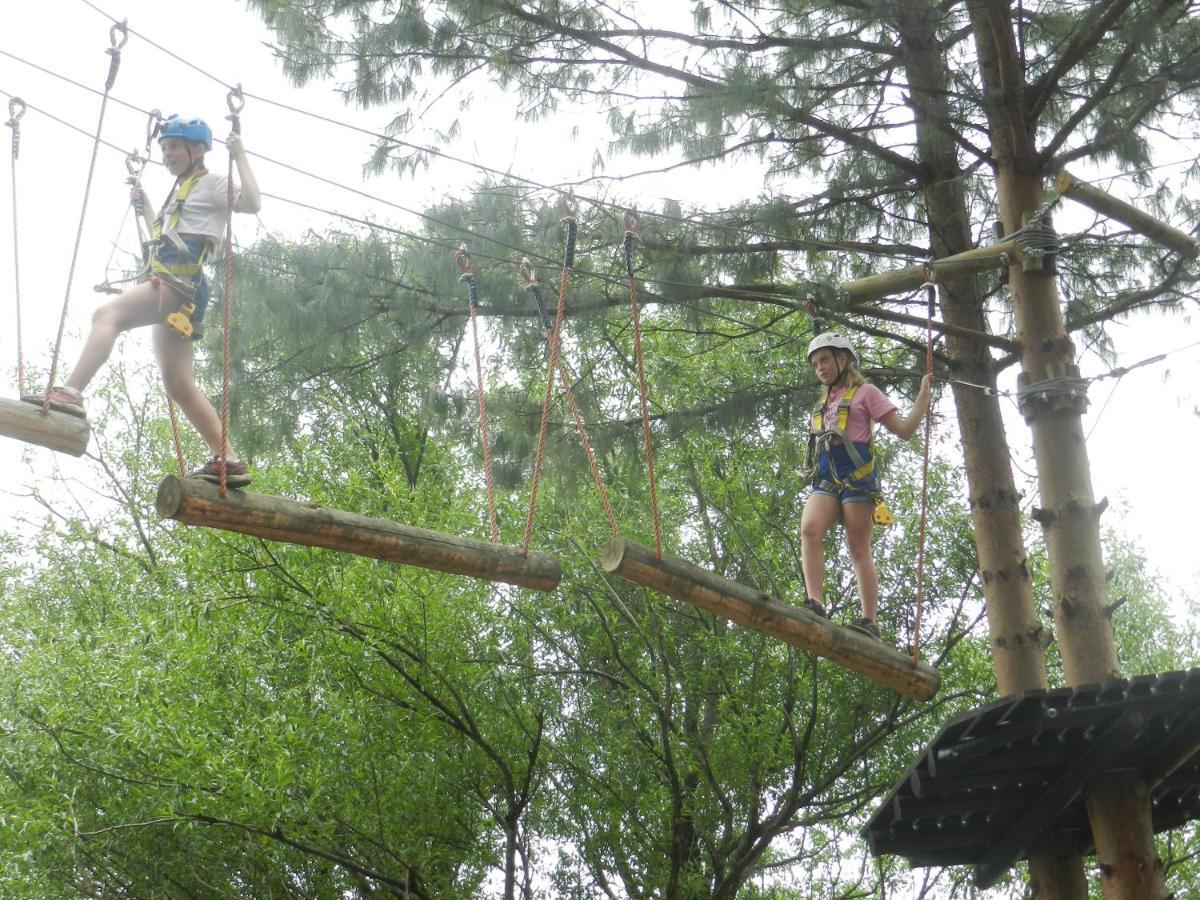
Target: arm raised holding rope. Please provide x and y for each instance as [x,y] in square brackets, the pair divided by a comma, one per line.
[172,294]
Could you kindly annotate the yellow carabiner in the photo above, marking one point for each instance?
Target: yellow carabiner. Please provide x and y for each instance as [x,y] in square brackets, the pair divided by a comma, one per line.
[180,321]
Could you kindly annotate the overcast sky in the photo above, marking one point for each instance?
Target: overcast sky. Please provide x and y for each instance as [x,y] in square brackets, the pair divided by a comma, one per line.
[1147,410]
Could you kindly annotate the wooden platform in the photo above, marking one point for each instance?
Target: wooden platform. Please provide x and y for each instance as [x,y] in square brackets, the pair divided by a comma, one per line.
[197,502]
[995,780]
[57,430]
[753,609]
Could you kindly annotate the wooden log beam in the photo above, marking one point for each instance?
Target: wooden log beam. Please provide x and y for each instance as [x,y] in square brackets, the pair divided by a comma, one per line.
[753,609]
[57,430]
[197,502]
[1144,224]
[875,287]
[977,259]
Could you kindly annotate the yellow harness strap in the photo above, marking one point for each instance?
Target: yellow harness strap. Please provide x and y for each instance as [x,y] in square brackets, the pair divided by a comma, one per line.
[882,515]
[165,225]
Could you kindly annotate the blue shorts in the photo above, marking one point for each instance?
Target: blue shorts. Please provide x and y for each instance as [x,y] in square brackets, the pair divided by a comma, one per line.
[194,287]
[837,461]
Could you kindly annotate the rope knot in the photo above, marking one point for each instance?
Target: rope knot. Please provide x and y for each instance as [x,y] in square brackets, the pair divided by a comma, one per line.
[236,101]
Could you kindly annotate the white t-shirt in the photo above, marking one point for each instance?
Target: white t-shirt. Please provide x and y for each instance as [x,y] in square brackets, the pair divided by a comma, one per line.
[205,208]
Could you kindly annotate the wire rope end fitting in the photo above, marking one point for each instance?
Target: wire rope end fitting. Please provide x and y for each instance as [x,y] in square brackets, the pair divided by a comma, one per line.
[120,28]
[462,259]
[16,109]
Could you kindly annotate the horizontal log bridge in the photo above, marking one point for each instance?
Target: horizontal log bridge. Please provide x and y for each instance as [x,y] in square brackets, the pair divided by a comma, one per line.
[197,502]
[1106,204]
[753,609]
[977,259]
[57,430]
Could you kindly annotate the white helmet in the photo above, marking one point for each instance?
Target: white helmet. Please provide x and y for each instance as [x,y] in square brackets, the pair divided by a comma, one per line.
[833,341]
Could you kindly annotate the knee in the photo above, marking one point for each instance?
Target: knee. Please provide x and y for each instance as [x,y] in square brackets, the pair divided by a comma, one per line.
[812,531]
[859,547]
[107,318]
[178,385]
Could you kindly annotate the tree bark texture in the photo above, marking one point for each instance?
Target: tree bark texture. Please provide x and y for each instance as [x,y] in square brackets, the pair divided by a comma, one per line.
[1120,816]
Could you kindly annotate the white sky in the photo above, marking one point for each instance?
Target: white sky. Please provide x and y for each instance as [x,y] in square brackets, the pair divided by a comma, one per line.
[1146,414]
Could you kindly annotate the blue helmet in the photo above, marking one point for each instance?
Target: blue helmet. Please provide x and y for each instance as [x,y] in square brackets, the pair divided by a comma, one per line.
[189,129]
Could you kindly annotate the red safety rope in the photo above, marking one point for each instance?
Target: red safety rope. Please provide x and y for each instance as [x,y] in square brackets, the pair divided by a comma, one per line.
[235,101]
[932,291]
[114,64]
[467,269]
[647,437]
[547,398]
[16,109]
[527,273]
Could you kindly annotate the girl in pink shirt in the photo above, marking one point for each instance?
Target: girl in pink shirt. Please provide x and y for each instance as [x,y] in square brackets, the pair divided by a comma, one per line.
[846,484]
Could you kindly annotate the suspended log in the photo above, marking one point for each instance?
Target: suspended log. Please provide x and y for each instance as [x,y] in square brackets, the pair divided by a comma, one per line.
[753,609]
[873,287]
[1144,224]
[197,502]
[57,430]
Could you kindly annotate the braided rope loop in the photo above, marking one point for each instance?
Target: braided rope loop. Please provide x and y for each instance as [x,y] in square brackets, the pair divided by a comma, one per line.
[16,109]
[916,656]
[552,364]
[647,436]
[114,53]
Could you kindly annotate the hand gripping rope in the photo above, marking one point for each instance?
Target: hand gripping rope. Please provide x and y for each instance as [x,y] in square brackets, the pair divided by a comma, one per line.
[552,365]
[117,36]
[635,319]
[16,109]
[467,269]
[531,284]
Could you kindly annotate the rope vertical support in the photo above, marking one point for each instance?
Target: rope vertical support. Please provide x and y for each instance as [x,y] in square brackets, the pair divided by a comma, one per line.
[16,109]
[931,290]
[534,288]
[647,436]
[235,101]
[117,36]
[552,364]
[466,268]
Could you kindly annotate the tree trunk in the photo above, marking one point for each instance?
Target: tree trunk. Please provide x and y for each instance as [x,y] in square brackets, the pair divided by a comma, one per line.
[1017,639]
[1119,808]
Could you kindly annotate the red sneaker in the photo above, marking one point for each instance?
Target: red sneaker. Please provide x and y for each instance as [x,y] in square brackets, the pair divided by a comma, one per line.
[64,399]
[237,473]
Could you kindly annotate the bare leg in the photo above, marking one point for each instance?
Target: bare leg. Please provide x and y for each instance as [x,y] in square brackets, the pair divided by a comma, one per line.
[820,513]
[858,521]
[174,357]
[135,307]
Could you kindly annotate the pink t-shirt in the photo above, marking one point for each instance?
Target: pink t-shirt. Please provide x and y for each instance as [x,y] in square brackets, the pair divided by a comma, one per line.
[869,405]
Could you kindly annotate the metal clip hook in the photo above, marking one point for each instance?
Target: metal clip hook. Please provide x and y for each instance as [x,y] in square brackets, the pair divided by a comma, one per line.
[527,272]
[121,28]
[631,222]
[462,258]
[16,109]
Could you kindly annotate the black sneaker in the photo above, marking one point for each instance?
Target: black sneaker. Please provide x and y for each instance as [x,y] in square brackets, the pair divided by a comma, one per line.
[868,627]
[815,607]
[64,399]
[237,473]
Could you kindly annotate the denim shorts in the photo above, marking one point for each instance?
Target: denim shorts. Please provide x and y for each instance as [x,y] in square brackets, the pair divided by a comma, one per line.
[194,286]
[837,461]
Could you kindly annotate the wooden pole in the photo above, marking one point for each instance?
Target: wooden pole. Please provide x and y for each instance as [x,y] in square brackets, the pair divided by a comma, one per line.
[197,502]
[873,287]
[977,259]
[753,609]
[57,430]
[1107,205]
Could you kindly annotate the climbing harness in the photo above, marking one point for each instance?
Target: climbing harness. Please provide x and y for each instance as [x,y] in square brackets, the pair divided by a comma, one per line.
[823,439]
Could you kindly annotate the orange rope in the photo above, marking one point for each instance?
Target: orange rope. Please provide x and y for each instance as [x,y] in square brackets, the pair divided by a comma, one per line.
[532,285]
[16,109]
[647,437]
[467,268]
[924,485]
[114,64]
[547,398]
[235,102]
[175,437]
